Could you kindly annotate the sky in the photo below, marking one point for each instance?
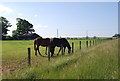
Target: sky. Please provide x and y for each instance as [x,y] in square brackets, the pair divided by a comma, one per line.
[72,19]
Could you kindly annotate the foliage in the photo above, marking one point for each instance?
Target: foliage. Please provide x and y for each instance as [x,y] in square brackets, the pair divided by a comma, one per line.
[117,35]
[5,25]
[28,36]
[94,37]
[23,27]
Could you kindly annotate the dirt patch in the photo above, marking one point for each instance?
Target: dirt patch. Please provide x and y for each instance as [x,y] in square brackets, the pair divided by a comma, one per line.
[10,68]
[14,67]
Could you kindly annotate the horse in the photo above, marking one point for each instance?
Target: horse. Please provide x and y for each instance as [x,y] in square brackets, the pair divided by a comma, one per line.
[39,41]
[59,42]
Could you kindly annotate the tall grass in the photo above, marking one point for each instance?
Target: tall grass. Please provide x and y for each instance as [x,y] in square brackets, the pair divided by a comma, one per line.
[97,62]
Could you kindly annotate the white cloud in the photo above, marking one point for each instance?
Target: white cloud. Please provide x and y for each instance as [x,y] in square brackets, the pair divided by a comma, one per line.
[40,26]
[5,10]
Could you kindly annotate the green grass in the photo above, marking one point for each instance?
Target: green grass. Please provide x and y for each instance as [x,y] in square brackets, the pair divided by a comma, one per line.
[96,62]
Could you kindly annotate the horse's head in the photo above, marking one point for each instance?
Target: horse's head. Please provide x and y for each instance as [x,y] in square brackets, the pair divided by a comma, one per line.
[69,50]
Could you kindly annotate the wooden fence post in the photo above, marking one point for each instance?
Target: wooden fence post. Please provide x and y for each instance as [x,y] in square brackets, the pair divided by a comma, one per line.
[29,57]
[93,42]
[48,53]
[90,43]
[62,50]
[72,47]
[87,44]
[80,44]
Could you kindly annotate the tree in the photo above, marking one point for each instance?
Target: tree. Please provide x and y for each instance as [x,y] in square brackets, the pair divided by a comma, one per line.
[117,35]
[23,27]
[14,34]
[94,37]
[28,36]
[5,25]
[87,37]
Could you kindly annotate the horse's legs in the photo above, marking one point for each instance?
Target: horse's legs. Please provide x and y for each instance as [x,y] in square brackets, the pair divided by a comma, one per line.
[38,50]
[52,51]
[59,50]
[64,49]
[35,52]
[46,50]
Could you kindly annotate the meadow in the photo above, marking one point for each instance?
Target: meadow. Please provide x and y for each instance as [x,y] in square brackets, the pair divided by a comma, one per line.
[96,62]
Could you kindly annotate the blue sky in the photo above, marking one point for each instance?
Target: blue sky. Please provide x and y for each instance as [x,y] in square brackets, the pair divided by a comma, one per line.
[72,19]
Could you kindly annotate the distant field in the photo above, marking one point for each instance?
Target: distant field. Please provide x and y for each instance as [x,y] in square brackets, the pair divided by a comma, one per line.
[96,62]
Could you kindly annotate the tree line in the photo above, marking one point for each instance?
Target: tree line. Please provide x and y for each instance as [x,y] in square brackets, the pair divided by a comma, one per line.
[24,30]
[117,35]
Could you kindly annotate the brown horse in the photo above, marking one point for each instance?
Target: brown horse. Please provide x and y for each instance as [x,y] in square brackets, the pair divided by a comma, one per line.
[39,41]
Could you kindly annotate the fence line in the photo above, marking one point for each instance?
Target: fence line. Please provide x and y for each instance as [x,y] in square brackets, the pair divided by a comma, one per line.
[93,42]
[48,53]
[72,47]
[80,44]
[62,50]
[88,43]
[29,57]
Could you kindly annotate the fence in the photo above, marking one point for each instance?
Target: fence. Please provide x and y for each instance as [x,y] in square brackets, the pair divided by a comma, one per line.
[87,44]
[29,57]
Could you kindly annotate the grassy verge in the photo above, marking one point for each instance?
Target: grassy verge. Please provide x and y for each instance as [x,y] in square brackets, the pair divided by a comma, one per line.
[97,62]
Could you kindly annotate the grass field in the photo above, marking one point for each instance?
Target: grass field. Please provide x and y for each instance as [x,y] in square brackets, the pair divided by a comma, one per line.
[96,62]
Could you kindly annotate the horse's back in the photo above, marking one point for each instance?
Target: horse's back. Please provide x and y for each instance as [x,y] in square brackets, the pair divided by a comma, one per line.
[55,42]
[42,41]
[64,40]
[58,42]
[45,41]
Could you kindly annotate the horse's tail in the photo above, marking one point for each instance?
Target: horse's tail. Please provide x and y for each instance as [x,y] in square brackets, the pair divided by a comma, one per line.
[35,44]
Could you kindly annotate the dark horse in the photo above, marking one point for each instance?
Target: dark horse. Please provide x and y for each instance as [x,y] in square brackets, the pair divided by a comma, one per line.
[59,42]
[39,41]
